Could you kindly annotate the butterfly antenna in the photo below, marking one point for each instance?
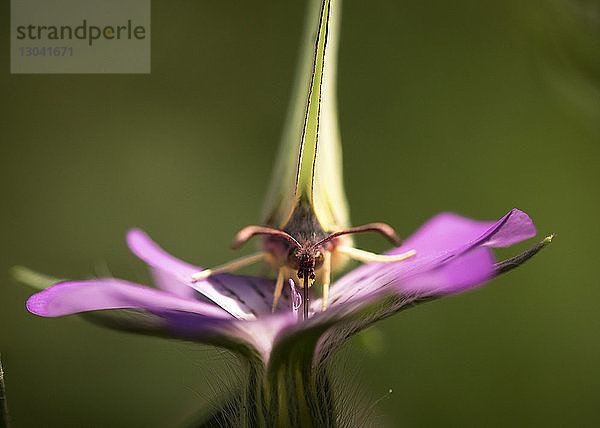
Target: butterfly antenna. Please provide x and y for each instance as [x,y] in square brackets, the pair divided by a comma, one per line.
[383,228]
[249,231]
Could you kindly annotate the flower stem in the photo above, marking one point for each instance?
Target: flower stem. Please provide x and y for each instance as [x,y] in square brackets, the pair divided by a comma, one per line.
[4,420]
[292,393]
[297,395]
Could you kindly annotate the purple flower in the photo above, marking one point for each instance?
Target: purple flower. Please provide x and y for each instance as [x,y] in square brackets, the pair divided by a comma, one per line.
[285,354]
[453,254]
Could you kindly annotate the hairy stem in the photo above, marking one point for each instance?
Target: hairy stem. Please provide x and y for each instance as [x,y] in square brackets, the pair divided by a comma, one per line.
[3,406]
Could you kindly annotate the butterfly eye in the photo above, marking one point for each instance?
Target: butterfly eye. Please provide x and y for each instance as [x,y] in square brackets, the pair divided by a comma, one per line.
[318,258]
[293,258]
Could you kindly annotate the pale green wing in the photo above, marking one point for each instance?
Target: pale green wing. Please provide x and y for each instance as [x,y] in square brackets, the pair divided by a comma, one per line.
[309,165]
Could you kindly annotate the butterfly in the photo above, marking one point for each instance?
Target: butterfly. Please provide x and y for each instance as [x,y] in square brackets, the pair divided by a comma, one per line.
[306,229]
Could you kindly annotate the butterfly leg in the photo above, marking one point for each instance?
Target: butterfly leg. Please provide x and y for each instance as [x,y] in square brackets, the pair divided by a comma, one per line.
[228,267]
[367,257]
[326,277]
[278,288]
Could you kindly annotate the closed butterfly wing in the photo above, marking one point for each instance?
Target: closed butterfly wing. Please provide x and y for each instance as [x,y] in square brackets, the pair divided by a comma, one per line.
[308,170]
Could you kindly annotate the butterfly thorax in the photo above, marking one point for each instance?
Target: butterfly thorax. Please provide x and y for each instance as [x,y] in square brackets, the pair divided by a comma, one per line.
[306,229]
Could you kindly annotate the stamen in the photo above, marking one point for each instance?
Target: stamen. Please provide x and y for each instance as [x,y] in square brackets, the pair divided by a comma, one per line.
[296,296]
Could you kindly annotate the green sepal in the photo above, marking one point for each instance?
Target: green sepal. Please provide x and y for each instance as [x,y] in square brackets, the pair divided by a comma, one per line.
[33,279]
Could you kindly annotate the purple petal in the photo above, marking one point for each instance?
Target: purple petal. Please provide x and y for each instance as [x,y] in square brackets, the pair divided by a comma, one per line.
[468,270]
[451,257]
[143,247]
[331,328]
[516,226]
[347,320]
[169,283]
[167,315]
[252,292]
[244,297]
[259,333]
[80,296]
[262,332]
[448,231]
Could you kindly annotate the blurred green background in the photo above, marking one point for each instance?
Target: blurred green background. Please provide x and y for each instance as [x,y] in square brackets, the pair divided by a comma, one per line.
[469,106]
